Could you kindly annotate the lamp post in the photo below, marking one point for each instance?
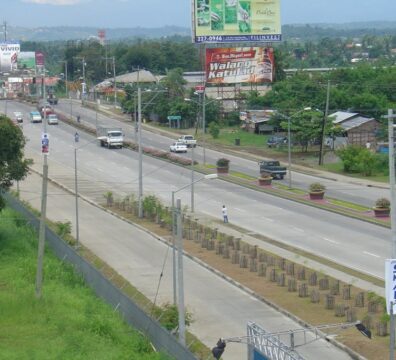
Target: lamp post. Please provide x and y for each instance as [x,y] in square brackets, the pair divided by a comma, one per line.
[178,281]
[204,103]
[76,190]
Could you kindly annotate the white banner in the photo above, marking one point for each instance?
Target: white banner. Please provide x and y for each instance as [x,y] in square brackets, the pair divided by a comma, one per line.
[390,284]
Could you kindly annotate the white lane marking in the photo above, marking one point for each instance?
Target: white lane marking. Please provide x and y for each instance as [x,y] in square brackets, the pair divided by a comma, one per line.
[331,241]
[298,229]
[241,210]
[268,219]
[371,254]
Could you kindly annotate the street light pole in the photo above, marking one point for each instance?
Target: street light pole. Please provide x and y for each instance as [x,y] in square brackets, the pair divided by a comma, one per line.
[115,84]
[76,199]
[180,279]
[192,179]
[289,150]
[140,152]
[204,126]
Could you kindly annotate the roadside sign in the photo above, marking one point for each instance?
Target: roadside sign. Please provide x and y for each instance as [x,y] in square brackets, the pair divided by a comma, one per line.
[200,88]
[174,117]
[44,143]
[390,284]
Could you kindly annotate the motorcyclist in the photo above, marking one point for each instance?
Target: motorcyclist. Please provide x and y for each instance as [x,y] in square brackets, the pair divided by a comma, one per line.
[78,118]
[76,137]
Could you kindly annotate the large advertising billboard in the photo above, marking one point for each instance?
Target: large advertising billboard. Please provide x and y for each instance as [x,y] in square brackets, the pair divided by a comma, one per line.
[225,21]
[27,60]
[239,65]
[9,52]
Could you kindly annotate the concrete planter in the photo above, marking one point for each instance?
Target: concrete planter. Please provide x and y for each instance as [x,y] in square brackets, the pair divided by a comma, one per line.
[381,212]
[222,170]
[265,181]
[316,195]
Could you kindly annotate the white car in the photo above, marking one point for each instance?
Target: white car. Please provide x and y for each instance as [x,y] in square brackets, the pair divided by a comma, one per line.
[178,147]
[52,119]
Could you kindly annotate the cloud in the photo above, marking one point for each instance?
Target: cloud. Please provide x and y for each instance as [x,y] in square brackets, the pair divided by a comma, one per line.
[53,2]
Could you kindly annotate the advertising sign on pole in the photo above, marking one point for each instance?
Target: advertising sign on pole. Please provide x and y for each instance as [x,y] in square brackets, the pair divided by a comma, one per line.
[9,52]
[225,21]
[200,89]
[390,284]
[39,58]
[44,143]
[239,65]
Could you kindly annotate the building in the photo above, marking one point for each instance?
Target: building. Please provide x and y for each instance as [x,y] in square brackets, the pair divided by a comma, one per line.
[256,121]
[358,129]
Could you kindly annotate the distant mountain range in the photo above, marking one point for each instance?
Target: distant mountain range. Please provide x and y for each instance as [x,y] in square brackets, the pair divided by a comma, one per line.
[301,31]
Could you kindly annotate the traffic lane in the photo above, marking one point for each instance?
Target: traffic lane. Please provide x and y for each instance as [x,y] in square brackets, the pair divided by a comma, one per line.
[350,242]
[219,309]
[358,194]
[290,217]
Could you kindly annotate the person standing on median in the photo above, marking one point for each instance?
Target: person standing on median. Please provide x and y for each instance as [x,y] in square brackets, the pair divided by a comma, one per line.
[225,214]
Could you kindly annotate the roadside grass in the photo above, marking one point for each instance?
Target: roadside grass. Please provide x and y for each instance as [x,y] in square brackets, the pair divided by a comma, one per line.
[338,169]
[348,205]
[69,322]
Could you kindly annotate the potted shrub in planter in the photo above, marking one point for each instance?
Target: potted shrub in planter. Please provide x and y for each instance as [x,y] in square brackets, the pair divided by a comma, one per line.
[382,208]
[316,191]
[223,166]
[265,179]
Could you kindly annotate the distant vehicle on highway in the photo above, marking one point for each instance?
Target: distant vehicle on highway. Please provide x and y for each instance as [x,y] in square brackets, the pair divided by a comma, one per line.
[188,140]
[272,168]
[275,141]
[178,147]
[18,117]
[110,137]
[52,119]
[52,99]
[35,117]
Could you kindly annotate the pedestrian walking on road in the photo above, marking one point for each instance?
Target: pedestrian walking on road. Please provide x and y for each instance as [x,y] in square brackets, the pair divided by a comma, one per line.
[78,118]
[225,214]
[76,137]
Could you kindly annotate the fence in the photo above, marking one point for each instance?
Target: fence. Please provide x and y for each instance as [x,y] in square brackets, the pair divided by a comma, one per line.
[162,339]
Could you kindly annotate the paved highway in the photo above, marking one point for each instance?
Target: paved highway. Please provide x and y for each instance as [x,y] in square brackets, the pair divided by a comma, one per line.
[347,191]
[350,242]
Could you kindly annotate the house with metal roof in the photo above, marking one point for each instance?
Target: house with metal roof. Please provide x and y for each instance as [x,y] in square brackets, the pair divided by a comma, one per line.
[358,129]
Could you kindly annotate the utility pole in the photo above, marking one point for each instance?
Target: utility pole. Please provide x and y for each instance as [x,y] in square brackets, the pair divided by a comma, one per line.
[391,142]
[140,152]
[41,244]
[204,126]
[76,199]
[5,30]
[115,84]
[180,280]
[192,178]
[326,114]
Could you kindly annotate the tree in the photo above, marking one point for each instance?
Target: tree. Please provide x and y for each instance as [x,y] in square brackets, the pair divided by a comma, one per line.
[13,166]
[214,130]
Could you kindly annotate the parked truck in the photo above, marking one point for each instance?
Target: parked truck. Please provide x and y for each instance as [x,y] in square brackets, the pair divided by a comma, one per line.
[110,137]
[188,140]
[273,168]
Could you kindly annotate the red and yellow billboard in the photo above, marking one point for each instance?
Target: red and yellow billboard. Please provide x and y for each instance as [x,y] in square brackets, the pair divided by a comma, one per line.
[239,65]
[227,21]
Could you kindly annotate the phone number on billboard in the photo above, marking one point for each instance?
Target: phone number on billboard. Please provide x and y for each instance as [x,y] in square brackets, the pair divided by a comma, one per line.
[238,38]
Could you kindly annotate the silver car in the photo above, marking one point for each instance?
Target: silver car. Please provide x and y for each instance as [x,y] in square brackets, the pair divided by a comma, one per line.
[52,119]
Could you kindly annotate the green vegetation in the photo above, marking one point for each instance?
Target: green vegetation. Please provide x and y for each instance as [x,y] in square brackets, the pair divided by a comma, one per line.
[69,322]
[13,166]
[348,205]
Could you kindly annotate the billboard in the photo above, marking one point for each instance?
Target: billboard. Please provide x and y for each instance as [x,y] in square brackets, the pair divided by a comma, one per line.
[26,60]
[9,52]
[39,58]
[239,65]
[225,21]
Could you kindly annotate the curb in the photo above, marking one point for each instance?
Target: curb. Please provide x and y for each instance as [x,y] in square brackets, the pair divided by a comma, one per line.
[354,355]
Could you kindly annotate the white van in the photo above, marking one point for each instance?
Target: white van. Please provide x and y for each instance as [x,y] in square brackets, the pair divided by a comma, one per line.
[35,117]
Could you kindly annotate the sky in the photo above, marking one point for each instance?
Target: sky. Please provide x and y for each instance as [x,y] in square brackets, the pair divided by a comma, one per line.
[158,13]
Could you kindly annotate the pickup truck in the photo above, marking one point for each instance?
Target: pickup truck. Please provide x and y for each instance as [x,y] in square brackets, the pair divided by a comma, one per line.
[272,168]
[188,140]
[110,137]
[178,147]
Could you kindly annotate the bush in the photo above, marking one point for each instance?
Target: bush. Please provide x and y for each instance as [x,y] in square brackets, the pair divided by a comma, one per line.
[214,130]
[223,162]
[382,203]
[317,187]
[349,156]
